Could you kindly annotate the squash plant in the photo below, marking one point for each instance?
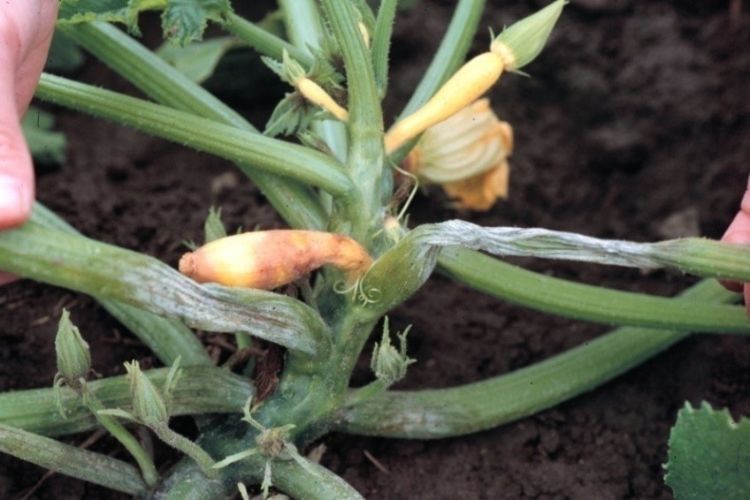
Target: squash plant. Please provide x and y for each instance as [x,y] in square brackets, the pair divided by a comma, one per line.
[348,250]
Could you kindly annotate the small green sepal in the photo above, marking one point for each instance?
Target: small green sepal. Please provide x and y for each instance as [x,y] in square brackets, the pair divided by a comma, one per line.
[213,228]
[389,363]
[521,42]
[288,69]
[149,406]
[73,354]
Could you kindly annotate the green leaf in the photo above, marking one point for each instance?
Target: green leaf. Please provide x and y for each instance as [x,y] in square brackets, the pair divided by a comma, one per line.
[46,145]
[199,60]
[184,21]
[709,455]
[291,116]
[114,11]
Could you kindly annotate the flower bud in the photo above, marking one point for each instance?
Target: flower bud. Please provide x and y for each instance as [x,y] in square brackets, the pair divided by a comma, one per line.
[467,154]
[468,84]
[388,363]
[73,355]
[294,74]
[521,42]
[148,403]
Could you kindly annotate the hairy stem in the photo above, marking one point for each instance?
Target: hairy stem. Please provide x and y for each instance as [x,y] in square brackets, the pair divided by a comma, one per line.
[381,43]
[119,432]
[264,42]
[310,481]
[441,413]
[163,83]
[366,155]
[201,390]
[586,302]
[189,448]
[167,338]
[103,270]
[71,461]
[267,154]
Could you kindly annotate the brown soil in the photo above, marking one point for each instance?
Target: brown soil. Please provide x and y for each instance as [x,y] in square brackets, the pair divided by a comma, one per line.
[633,125]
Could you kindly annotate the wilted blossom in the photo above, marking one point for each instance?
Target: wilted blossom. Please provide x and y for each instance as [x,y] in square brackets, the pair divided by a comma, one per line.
[468,155]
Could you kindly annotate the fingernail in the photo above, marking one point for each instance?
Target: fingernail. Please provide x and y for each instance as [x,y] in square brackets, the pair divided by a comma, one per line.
[12,200]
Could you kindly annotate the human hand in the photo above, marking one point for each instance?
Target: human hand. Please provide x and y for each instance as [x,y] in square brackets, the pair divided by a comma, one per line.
[26,28]
[739,232]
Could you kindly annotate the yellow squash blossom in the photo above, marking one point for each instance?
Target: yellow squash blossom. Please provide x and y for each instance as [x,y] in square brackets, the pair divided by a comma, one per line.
[468,155]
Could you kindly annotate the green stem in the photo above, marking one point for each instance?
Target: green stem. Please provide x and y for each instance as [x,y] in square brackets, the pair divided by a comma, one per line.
[699,256]
[451,53]
[381,43]
[163,83]
[305,31]
[71,461]
[449,57]
[311,481]
[586,302]
[119,432]
[264,42]
[366,155]
[704,257]
[167,338]
[271,155]
[360,395]
[441,413]
[189,448]
[104,270]
[243,340]
[201,390]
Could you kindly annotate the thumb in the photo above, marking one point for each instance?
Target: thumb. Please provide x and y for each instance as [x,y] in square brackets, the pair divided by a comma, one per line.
[16,170]
[739,232]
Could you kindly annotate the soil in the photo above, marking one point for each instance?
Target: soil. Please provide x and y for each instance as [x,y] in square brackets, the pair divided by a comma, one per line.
[633,125]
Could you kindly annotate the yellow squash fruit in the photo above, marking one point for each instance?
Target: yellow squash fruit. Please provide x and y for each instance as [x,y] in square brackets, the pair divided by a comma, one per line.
[270,259]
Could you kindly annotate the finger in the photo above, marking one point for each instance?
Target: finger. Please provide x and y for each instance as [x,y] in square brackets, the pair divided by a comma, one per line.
[39,28]
[738,232]
[738,235]
[16,171]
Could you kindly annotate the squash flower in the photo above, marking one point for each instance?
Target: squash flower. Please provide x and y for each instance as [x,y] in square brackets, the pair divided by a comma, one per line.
[467,154]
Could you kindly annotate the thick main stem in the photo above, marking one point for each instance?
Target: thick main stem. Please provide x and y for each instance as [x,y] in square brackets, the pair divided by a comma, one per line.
[366,156]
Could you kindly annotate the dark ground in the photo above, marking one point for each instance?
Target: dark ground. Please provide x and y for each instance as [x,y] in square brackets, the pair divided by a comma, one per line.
[634,125]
